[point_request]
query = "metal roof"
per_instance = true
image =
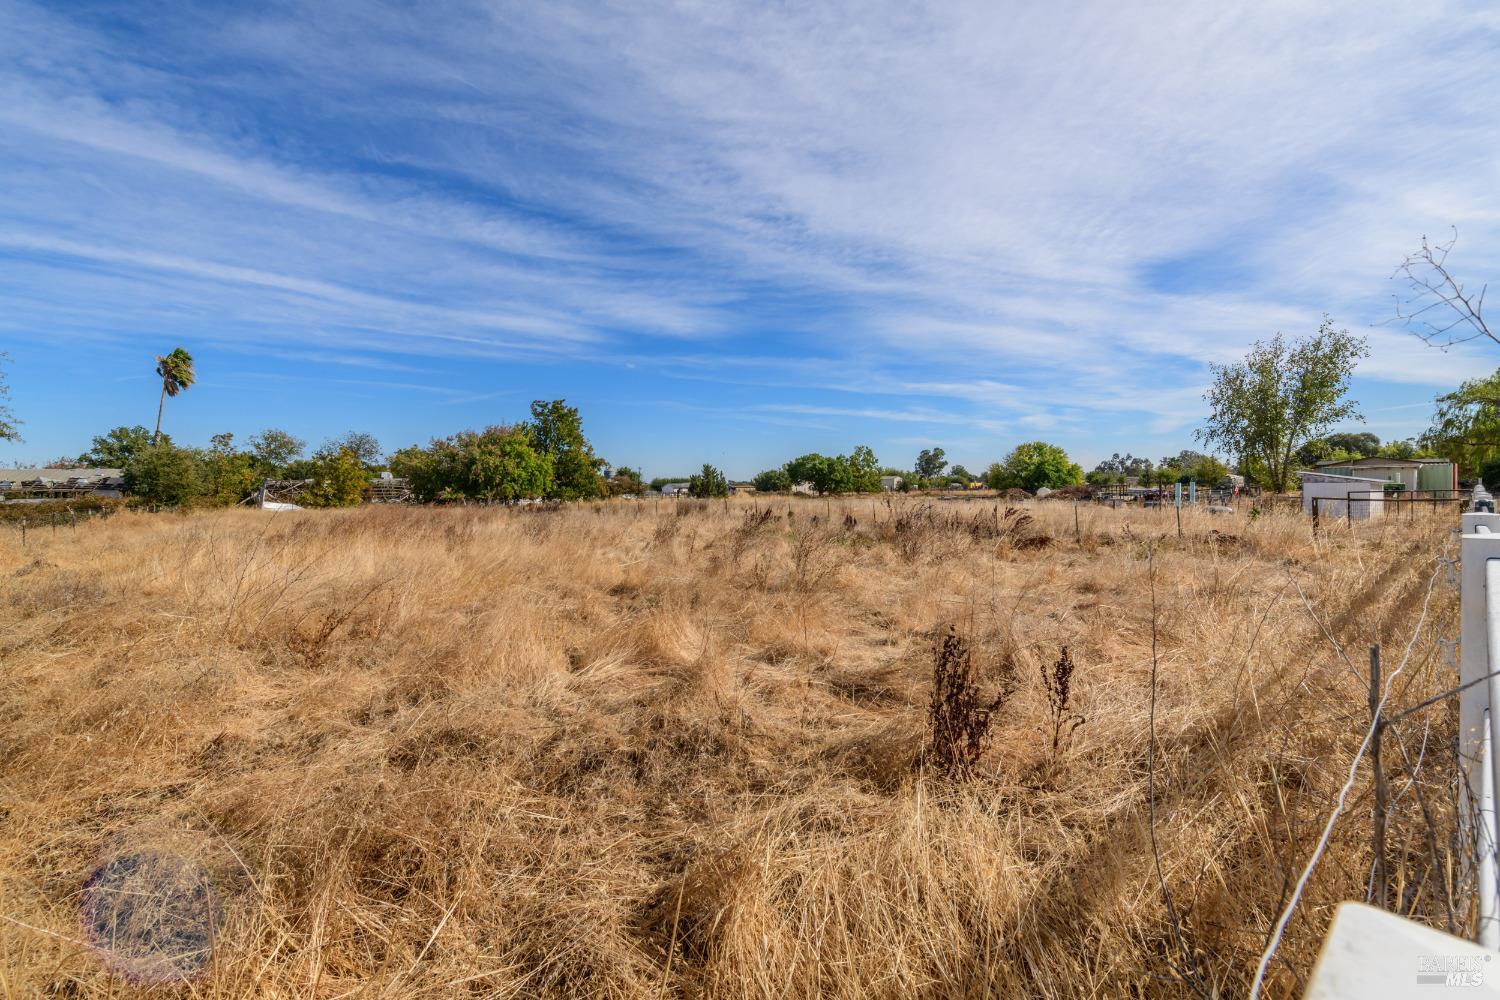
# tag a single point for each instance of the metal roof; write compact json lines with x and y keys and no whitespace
{"x":59,"y":475}
{"x":1335,"y":477}
{"x":1376,"y":462}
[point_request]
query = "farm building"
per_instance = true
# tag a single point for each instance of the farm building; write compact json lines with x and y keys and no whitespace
{"x":890,"y":483}
{"x":62,"y":482}
{"x":1333,"y":494}
{"x":1425,"y":474}
{"x":674,"y":489}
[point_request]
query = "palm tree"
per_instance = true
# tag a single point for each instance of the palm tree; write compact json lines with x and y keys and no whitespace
{"x":176,"y":371}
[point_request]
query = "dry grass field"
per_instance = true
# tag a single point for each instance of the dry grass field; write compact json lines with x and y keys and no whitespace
{"x":641,"y":751}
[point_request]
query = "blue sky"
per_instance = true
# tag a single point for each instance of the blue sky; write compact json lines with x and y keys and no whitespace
{"x":728,"y":232}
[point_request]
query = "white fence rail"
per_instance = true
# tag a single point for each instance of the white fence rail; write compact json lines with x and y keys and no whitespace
{"x":1479,"y":705}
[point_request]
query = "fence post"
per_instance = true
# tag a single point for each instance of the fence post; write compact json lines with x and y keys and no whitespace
{"x":1480,"y":546}
{"x":1377,"y":725}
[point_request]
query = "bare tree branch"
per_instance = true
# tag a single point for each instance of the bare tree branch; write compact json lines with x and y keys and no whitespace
{"x":1432,"y":286}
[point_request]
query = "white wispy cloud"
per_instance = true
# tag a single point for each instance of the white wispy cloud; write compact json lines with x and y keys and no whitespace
{"x":1044,"y":218}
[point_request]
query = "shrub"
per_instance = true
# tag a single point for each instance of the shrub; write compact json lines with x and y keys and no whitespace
{"x":165,"y":475}
{"x":339,"y":479}
{"x":709,"y":482}
{"x":499,"y":463}
{"x":773,"y":481}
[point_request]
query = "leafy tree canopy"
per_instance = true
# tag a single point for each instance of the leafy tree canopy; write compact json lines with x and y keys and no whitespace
{"x":165,"y":475}
{"x":1117,"y":468}
{"x":1466,"y":424}
{"x":175,"y":369}
{"x":857,"y":472}
{"x":1341,"y":446}
{"x":115,"y":449}
{"x":557,"y":430}
{"x":339,"y":478}
{"x":626,"y":481}
{"x":708,"y":482}
{"x":1490,"y":474}
{"x":1033,"y":465}
{"x":1189,"y":466}
{"x":930,"y":463}
{"x":276,"y":448}
{"x":1280,"y":397}
{"x":499,"y":463}
{"x":229,"y":475}
{"x":773,"y":481}
{"x":367,"y":450}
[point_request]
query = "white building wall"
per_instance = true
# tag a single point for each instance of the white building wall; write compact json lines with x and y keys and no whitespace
{"x":1337,"y":494}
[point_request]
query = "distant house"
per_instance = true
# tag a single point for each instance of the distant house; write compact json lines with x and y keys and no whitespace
{"x":1426,"y":474}
{"x":805,"y":488}
{"x":741,"y":487}
{"x":890,"y":483}
{"x":674,"y":489}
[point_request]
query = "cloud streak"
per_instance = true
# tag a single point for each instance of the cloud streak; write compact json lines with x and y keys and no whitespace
{"x":953,"y":214}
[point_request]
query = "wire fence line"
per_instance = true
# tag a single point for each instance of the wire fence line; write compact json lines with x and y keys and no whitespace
{"x":1279,"y":929}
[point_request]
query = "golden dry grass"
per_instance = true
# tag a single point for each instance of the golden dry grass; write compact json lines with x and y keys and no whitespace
{"x":639,"y":750}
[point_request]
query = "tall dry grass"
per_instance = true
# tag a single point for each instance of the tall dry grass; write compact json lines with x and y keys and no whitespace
{"x":642,"y":751}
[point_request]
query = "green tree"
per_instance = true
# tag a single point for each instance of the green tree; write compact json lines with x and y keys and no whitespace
{"x":115,"y":449}
{"x":1404,"y":448}
{"x":176,"y":373}
{"x":814,"y":469}
{"x":858,"y":472}
{"x":773,"y":481}
{"x":557,"y":430}
{"x":1362,"y":443}
{"x":708,"y":482}
{"x":864,"y":470}
{"x":499,"y":463}
{"x":229,"y":474}
{"x":931,"y":462}
{"x":1489,"y":474}
{"x":1033,"y":465}
{"x":1119,"y":468}
{"x":275,"y":448}
{"x":9,"y":425}
{"x":339,"y":479}
{"x":166,"y":475}
{"x":625,"y":481}
{"x":1191,"y":466}
{"x":1280,"y":397}
{"x":365,"y":447}
{"x":962,"y":475}
{"x":1345,"y":445}
{"x":1466,"y":424}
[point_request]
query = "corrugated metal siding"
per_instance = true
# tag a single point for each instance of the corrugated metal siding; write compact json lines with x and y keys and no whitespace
{"x":1435,"y":476}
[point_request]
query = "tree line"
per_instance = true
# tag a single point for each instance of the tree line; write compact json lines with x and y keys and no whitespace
{"x":545,"y":457}
{"x":1273,"y":413}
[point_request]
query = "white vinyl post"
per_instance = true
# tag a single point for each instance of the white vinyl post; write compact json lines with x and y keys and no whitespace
{"x":1480,"y":638}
